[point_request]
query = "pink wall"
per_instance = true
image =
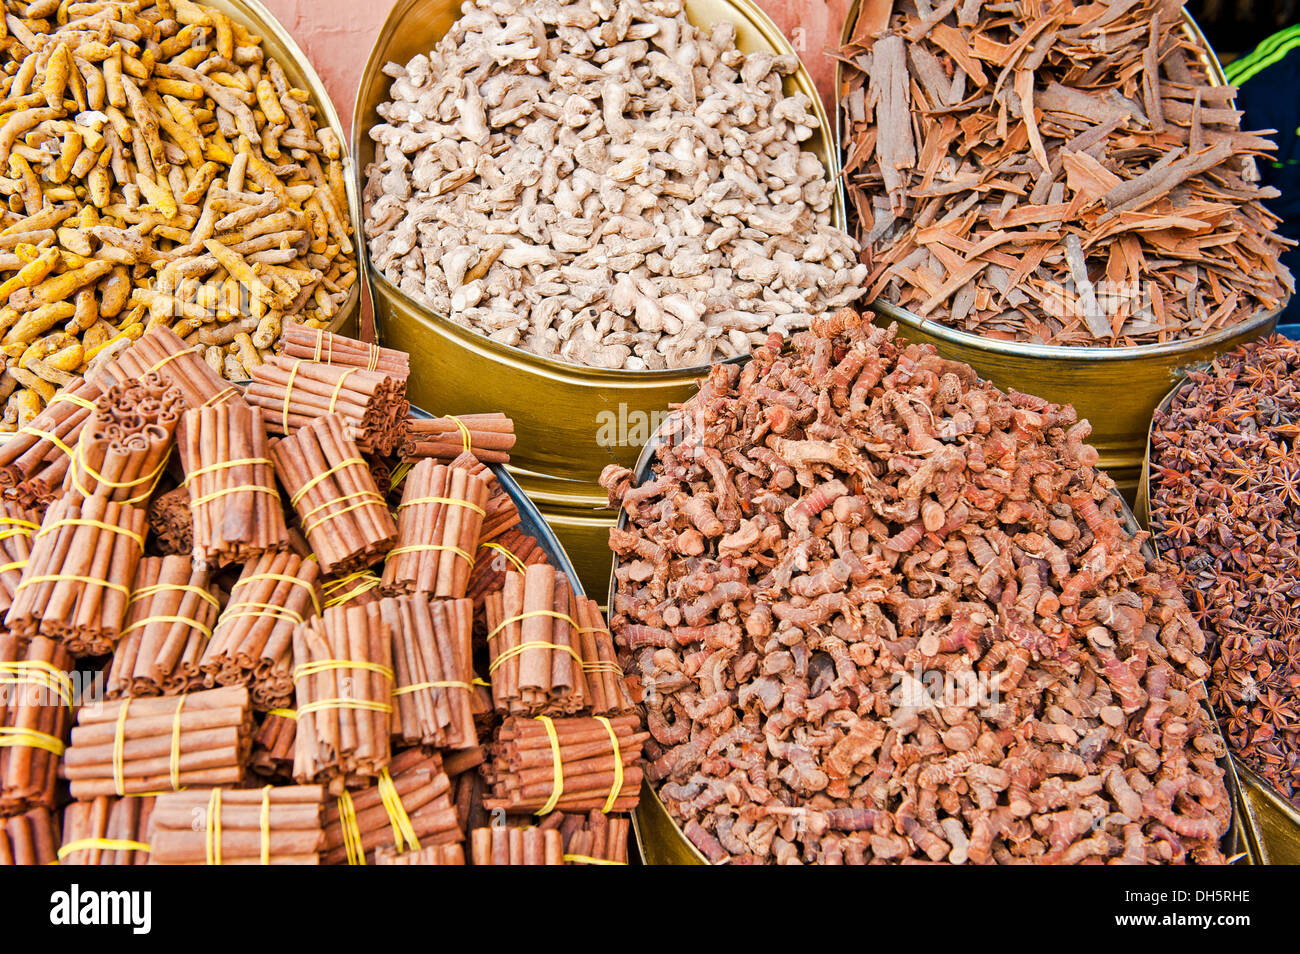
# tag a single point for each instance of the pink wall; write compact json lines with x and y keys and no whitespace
{"x":337,"y":36}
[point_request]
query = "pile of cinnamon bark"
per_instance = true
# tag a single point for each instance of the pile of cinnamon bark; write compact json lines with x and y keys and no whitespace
{"x":277,"y":611}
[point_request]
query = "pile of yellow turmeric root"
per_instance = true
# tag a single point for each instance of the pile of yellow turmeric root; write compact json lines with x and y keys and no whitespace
{"x":156,"y":167}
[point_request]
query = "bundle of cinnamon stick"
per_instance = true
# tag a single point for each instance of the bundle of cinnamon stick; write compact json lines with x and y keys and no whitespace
{"x":121,"y":453}
{"x":17,"y":527}
{"x":76,"y":584}
{"x":439,"y":523}
{"x":513,"y":549}
{"x":573,"y":765}
{"x":489,"y":437}
{"x":500,"y":845}
{"x":343,"y":516}
{"x":107,"y":831}
{"x":160,"y":351}
{"x":532,"y":641}
{"x":429,"y":855}
{"x":31,"y":838}
{"x":594,"y":838}
{"x":317,"y":344}
{"x":604,"y":688}
{"x":225,"y":826}
{"x":432,"y":659}
{"x":343,"y":682}
{"x":234,"y":502}
{"x":137,"y":746}
{"x":292,"y":393}
{"x":253,"y":642}
{"x":408,"y":807}
{"x":36,"y":698}
{"x":360,"y":587}
{"x":169,"y":622}
{"x":34,"y":461}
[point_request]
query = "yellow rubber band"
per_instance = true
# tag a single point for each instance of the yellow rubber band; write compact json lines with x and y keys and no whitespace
{"x":64,"y":578}
{"x":330,"y":665}
{"x":609,"y":667}
{"x":156,"y":588}
{"x":375,"y":355}
{"x":368,"y":582}
{"x":79,"y":466}
{"x":220,"y":396}
{"x":16,"y":565}
{"x":175,"y":760}
{"x":64,"y":397}
{"x":266,"y":824}
{"x":514,"y":651}
{"x":159,"y":365}
{"x":191,"y":623}
{"x":288,"y":394}
{"x":351,"y":833}
{"x":449,"y":501}
{"x":514,"y":619}
{"x":437,"y":684}
{"x":119,"y":740}
{"x":518,"y":563}
{"x":366,"y":704}
{"x":345,"y":462}
{"x":12,"y":737}
{"x":366,"y":497}
{"x":320,"y":341}
{"x":338,"y":388}
{"x":557,"y":766}
{"x":240,"y":610}
{"x":588,"y":860}
{"x":104,"y":844}
{"x":403,"y":831}
{"x":48,"y":436}
{"x":212,"y":841}
{"x":16,"y":522}
{"x":616,"y":789}
{"x":240,"y":489}
{"x":282,"y":578}
{"x":284,"y":713}
{"x":38,"y":673}
{"x":432,"y":547}
{"x":97,"y":524}
{"x":224,"y":465}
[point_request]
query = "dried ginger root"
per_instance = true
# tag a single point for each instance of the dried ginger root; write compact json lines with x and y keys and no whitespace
{"x":156,"y":167}
{"x":879,"y":610}
{"x":606,"y":184}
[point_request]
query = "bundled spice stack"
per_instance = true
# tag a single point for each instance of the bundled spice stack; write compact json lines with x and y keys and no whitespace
{"x":262,"y":633}
{"x":488,"y":437}
{"x":1063,"y":173}
{"x":34,"y":461}
{"x":517,"y":846}
{"x":1225,"y":510}
{"x":831,"y":521}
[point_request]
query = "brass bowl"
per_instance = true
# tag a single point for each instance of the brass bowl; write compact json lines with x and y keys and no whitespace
{"x":1116,"y":389}
{"x":661,"y":842}
{"x":1270,"y":823}
{"x":570,"y":420}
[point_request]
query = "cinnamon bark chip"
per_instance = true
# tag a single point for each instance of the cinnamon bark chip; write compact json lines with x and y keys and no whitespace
{"x":533,"y":645}
{"x":900,"y":615}
{"x":1062,"y":175}
{"x":107,"y":831}
{"x":439,"y":525}
{"x":36,"y":699}
{"x":434,"y":671}
{"x":139,"y":746}
{"x":345,"y":519}
{"x":408,"y":808}
{"x":168,"y":626}
{"x":253,"y":642}
{"x":228,"y":826}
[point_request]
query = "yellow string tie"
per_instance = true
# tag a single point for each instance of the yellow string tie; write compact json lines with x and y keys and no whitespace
{"x":79,"y":466}
{"x":449,"y":501}
{"x":465,"y":439}
{"x":240,"y":489}
{"x":65,"y":578}
{"x":12,"y":737}
{"x":329,"y":665}
{"x":266,"y":824}
{"x":366,"y":704}
{"x":368,"y":582}
{"x":518,"y":563}
{"x":345,"y":462}
{"x":399,"y":474}
{"x":97,"y":524}
{"x":432,"y":548}
{"x":320,"y":340}
{"x":514,"y":651}
{"x":219,"y":397}
{"x":175,"y":766}
{"x":191,"y":623}
{"x":240,"y":610}
{"x":38,"y":673}
{"x":65,"y":397}
{"x":119,"y":740}
{"x":284,"y":713}
{"x":156,"y":588}
{"x":212,"y":841}
{"x":16,"y":565}
{"x":351,"y":833}
{"x":589,"y":860}
{"x":375,"y":354}
{"x":557,"y":766}
{"x":436,"y":684}
{"x":403,"y":831}
{"x":46,"y":435}
{"x":282,"y":578}
{"x":610,"y":667}
{"x":522,"y":616}
{"x":617,"y":788}
{"x":104,"y":844}
{"x":366,"y":498}
{"x":288,"y":394}
{"x":338,"y":388}
{"x":224,"y":465}
{"x":159,"y":365}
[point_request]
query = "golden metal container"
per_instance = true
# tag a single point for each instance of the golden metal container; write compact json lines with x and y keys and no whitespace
{"x":570,"y":421}
{"x":1270,"y":824}
{"x":661,"y":841}
{"x":1116,"y":389}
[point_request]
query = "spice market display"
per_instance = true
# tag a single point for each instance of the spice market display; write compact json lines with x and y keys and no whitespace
{"x":863,"y":606}
{"x":1225,"y":508}
{"x":158,"y":168}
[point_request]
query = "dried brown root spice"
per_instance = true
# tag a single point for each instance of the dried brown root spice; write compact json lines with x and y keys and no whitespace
{"x":1225,"y":510}
{"x":1061,"y":173}
{"x":878,"y":610}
